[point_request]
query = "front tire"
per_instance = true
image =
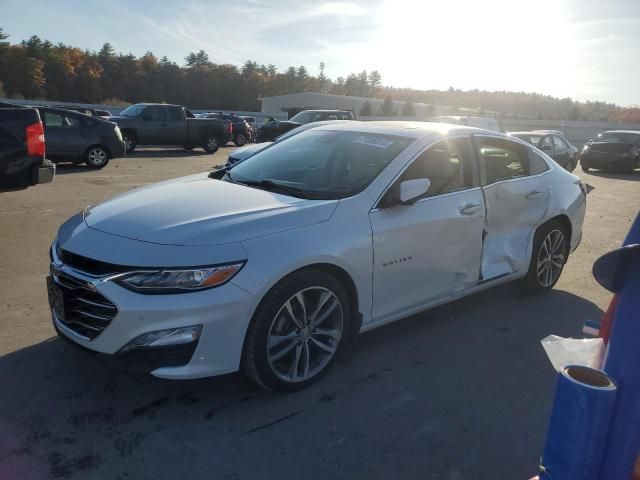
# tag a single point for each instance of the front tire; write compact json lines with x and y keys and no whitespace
{"x":211,"y":144}
{"x":129,"y":140}
{"x":548,"y":257}
{"x":297,"y":331}
{"x":96,"y":157}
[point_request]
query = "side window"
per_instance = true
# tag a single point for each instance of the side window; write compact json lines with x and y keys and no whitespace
{"x":53,"y":120}
{"x":71,"y":122}
{"x":536,"y":163}
{"x":559,"y":143}
{"x":175,"y":115}
{"x":447,"y":166}
{"x":503,"y":159}
{"x":154,"y":114}
{"x":546,"y":144}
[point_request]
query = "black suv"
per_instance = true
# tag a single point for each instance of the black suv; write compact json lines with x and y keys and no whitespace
{"x":615,"y":149}
{"x":271,"y":130}
{"x":553,"y":144}
{"x":242,"y":131}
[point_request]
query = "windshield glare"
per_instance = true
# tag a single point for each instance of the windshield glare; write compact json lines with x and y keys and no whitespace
{"x":618,"y":137}
{"x":323,"y":164}
{"x":306,"y":117}
{"x":132,"y":111}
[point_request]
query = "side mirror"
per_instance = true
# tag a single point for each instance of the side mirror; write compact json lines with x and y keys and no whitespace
{"x":411,"y":190}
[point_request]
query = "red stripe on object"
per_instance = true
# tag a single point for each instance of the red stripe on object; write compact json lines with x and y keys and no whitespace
{"x":607,"y":320}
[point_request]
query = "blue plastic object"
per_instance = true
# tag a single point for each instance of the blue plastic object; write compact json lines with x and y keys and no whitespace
{"x":578,"y":425}
{"x":622,"y":361}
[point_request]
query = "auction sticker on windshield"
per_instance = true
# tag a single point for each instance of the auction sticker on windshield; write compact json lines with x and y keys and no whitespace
{"x":373,"y":141}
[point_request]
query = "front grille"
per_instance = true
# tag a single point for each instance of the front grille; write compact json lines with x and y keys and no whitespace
{"x":86,"y":311}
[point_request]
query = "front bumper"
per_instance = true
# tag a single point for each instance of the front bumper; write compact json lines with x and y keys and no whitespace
{"x":603,"y":159}
{"x":224,"y":313}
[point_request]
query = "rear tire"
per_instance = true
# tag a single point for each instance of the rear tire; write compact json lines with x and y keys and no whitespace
{"x":211,"y":144}
{"x":240,"y":140}
{"x":96,"y":157}
{"x":548,"y":257}
{"x":297,"y":331}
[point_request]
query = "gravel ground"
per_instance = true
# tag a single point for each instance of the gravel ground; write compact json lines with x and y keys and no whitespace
{"x":462,"y":392}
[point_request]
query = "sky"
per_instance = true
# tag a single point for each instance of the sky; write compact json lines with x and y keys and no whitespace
{"x":583,"y":49}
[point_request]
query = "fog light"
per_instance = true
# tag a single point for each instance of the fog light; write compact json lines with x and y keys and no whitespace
{"x":165,"y":338}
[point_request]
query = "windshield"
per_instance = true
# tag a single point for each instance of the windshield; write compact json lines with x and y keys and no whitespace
{"x":323,"y":164}
{"x":618,"y":137}
{"x":132,"y":111}
{"x":306,"y":117}
{"x":532,"y":139}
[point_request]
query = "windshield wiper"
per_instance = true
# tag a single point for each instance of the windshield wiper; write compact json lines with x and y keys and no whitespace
{"x":271,"y":185}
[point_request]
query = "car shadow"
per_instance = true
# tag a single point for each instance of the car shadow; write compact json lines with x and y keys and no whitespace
{"x":471,"y":373}
{"x":66,"y":168}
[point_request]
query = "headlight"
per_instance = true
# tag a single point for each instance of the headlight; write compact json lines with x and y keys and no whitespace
{"x":179,"y":281}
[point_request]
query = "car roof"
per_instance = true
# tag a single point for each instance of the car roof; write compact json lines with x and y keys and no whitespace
{"x":634,"y":132}
{"x":326,"y":111}
{"x":407,"y":129}
{"x":537,"y":132}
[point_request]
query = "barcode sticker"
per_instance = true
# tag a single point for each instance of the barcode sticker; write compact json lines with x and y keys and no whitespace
{"x":373,"y":141}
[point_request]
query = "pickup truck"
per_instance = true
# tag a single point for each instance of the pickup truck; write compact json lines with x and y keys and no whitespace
{"x":22,"y":150}
{"x":163,"y":124}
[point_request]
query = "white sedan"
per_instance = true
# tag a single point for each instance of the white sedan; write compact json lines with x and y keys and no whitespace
{"x":340,"y":229}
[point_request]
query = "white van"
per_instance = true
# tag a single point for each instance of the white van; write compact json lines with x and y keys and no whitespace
{"x":488,"y":123}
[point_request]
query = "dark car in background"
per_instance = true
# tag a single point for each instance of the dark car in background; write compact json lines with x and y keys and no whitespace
{"x":612,"y":150}
{"x":22,"y":149}
{"x":165,"y":124}
{"x":79,"y":138}
{"x":554,"y":144}
{"x":242,"y":131}
{"x":270,"y":130}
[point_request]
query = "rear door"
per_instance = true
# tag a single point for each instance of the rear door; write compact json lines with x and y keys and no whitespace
{"x":153,"y":125}
{"x":431,"y":249}
{"x":517,"y":198}
{"x":176,"y":130}
{"x":65,"y":134}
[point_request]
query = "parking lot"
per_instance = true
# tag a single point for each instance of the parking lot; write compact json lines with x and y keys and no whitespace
{"x":462,"y":392}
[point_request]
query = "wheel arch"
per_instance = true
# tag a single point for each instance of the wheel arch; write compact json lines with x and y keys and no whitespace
{"x":564,"y":220}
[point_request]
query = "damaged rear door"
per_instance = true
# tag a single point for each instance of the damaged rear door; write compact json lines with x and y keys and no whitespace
{"x":517,"y":198}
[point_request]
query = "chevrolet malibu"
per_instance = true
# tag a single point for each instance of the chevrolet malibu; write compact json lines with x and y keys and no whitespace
{"x":270,"y":267}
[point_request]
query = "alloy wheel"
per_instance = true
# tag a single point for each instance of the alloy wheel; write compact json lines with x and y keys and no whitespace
{"x":305,"y":334}
{"x":551,"y":258}
{"x":97,"y":157}
{"x":212,"y":143}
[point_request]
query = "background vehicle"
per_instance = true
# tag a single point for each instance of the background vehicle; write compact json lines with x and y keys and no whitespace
{"x":241,"y":154}
{"x":335,"y":230}
{"x":488,"y":123}
{"x":242,"y":131}
{"x":78,"y":138}
{"x":612,"y":150}
{"x":553,"y":144}
{"x":270,"y":130}
{"x":163,"y":124}
{"x":22,"y":150}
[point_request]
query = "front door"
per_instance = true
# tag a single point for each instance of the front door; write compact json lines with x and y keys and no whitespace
{"x":516,"y":197}
{"x":430,"y":249}
{"x":153,"y":126}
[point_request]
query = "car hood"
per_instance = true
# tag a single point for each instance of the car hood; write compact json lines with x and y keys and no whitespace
{"x":198,"y":210}
{"x":610,"y":147}
{"x":245,"y":152}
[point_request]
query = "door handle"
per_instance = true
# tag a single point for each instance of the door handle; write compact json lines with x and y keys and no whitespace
{"x":469,"y":209}
{"x":534,"y":194}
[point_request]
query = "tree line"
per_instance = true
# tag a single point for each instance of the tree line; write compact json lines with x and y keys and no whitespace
{"x":39,"y":69}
